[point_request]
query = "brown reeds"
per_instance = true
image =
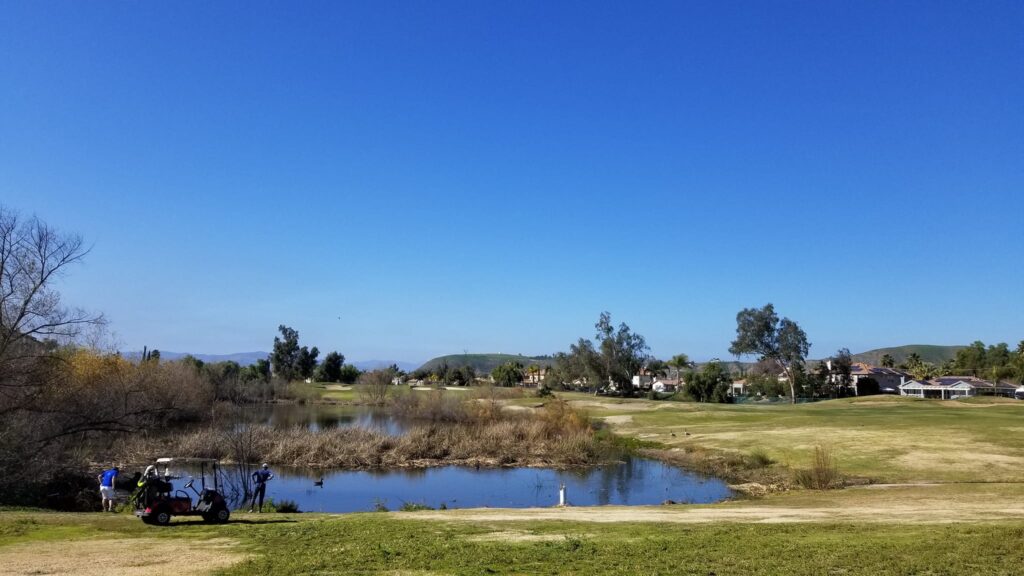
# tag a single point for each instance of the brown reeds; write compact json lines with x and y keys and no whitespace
{"x":474,"y":432}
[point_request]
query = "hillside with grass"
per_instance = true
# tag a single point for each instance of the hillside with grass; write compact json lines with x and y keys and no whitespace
{"x":485,"y":363}
{"x":927,"y":352}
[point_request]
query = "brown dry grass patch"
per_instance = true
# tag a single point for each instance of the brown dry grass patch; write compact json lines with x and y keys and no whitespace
{"x":117,"y":557}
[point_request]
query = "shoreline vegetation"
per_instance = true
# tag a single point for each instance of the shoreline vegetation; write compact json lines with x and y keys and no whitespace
{"x":441,"y":430}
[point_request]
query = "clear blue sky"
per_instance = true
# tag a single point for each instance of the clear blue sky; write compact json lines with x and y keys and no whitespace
{"x":401,"y":180}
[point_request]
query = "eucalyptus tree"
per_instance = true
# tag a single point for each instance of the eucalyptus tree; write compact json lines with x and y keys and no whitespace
{"x":760,"y":332}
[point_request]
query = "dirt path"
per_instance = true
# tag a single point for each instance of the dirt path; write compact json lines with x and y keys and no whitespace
{"x":913,"y":503}
{"x":751,"y":514}
{"x":117,"y":557}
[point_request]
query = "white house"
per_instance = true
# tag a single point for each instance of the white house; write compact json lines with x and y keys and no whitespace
{"x":642,"y":381}
{"x":953,"y":387}
{"x":662,"y":385}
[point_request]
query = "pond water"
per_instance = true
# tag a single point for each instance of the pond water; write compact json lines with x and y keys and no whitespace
{"x":321,"y":416}
{"x":635,"y":481}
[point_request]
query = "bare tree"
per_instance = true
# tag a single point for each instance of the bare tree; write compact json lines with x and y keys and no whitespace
{"x":33,"y":323}
{"x":375,"y":386}
{"x":32,"y":257}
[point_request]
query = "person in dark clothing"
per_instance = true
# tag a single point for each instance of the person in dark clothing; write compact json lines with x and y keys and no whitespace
{"x":260,"y":479}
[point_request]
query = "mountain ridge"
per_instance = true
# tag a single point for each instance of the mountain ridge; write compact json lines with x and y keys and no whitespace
{"x":249,"y":358}
{"x":485,"y":363}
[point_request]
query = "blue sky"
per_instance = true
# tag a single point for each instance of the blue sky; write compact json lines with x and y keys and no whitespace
{"x":402,"y":180}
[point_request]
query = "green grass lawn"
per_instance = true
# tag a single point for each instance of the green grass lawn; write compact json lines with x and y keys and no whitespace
{"x":969,"y":525}
{"x":392,"y":544}
{"x":326,"y":391}
{"x":888,"y":439}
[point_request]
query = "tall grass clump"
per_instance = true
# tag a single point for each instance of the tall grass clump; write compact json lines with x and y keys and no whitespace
{"x":442,"y":430}
{"x":823,"y":473}
{"x":759,"y":459}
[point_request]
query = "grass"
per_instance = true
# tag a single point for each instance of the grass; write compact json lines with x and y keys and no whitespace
{"x":882,"y":438}
{"x":400,"y":543}
{"x":823,"y":472}
{"x":970,"y":523}
{"x":325,"y":392}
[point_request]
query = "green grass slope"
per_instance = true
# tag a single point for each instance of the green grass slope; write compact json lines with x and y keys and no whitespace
{"x":927,"y":352}
{"x":484,"y":363}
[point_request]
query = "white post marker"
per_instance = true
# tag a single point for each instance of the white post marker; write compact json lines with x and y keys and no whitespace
{"x":561,"y":494}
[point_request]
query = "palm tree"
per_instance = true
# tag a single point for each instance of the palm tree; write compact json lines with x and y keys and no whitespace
{"x":680,"y":362}
{"x":534,"y":371}
{"x":888,"y":361}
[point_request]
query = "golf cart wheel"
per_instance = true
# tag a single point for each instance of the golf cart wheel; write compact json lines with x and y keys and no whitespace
{"x":161,"y":517}
{"x":218,"y":515}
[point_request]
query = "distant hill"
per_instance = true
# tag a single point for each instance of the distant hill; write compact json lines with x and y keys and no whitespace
{"x":365,"y":365}
{"x":732,"y":366}
{"x":248,"y":358}
{"x":485,"y":363}
{"x":243,"y":358}
{"x":927,"y":352}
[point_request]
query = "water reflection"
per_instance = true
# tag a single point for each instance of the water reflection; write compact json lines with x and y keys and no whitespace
{"x":320,"y":417}
{"x":636,"y":481}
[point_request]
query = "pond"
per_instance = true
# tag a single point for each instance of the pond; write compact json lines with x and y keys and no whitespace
{"x":635,"y":481}
{"x":320,"y":417}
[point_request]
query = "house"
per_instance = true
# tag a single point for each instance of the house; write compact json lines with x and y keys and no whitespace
{"x":889,"y":379}
{"x":662,"y":385}
{"x":953,"y":387}
{"x":738,"y":387}
{"x":642,"y":381}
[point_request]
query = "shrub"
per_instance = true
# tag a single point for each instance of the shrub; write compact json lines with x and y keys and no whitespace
{"x":759,"y":459}
{"x":823,"y":473}
{"x":287,"y":507}
{"x":414,"y":506}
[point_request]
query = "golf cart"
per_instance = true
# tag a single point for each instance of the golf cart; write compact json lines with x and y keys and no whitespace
{"x":158,"y":501}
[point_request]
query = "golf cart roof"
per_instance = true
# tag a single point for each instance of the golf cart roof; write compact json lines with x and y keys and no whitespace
{"x":187,"y":460}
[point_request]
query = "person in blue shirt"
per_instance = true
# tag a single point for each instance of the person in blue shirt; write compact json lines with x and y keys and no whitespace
{"x":107,"y":491}
{"x":260,"y":479}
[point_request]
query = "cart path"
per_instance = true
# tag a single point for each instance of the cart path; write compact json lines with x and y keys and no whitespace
{"x":744,"y":514}
{"x":920,"y":503}
{"x":120,"y":557}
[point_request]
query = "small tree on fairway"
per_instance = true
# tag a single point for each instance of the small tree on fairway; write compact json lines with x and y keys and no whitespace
{"x":285,"y":353}
{"x":376,"y":385}
{"x":711,"y":384}
{"x":760,"y":331}
{"x":841,"y":368}
{"x":305,"y":364}
{"x":508,"y":374}
{"x":349,"y":374}
{"x":330,"y":369}
{"x":622,"y":352}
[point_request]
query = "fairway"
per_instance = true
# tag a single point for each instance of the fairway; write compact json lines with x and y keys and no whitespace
{"x":876,"y":438}
{"x":478,"y":542}
{"x":946,"y":499}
